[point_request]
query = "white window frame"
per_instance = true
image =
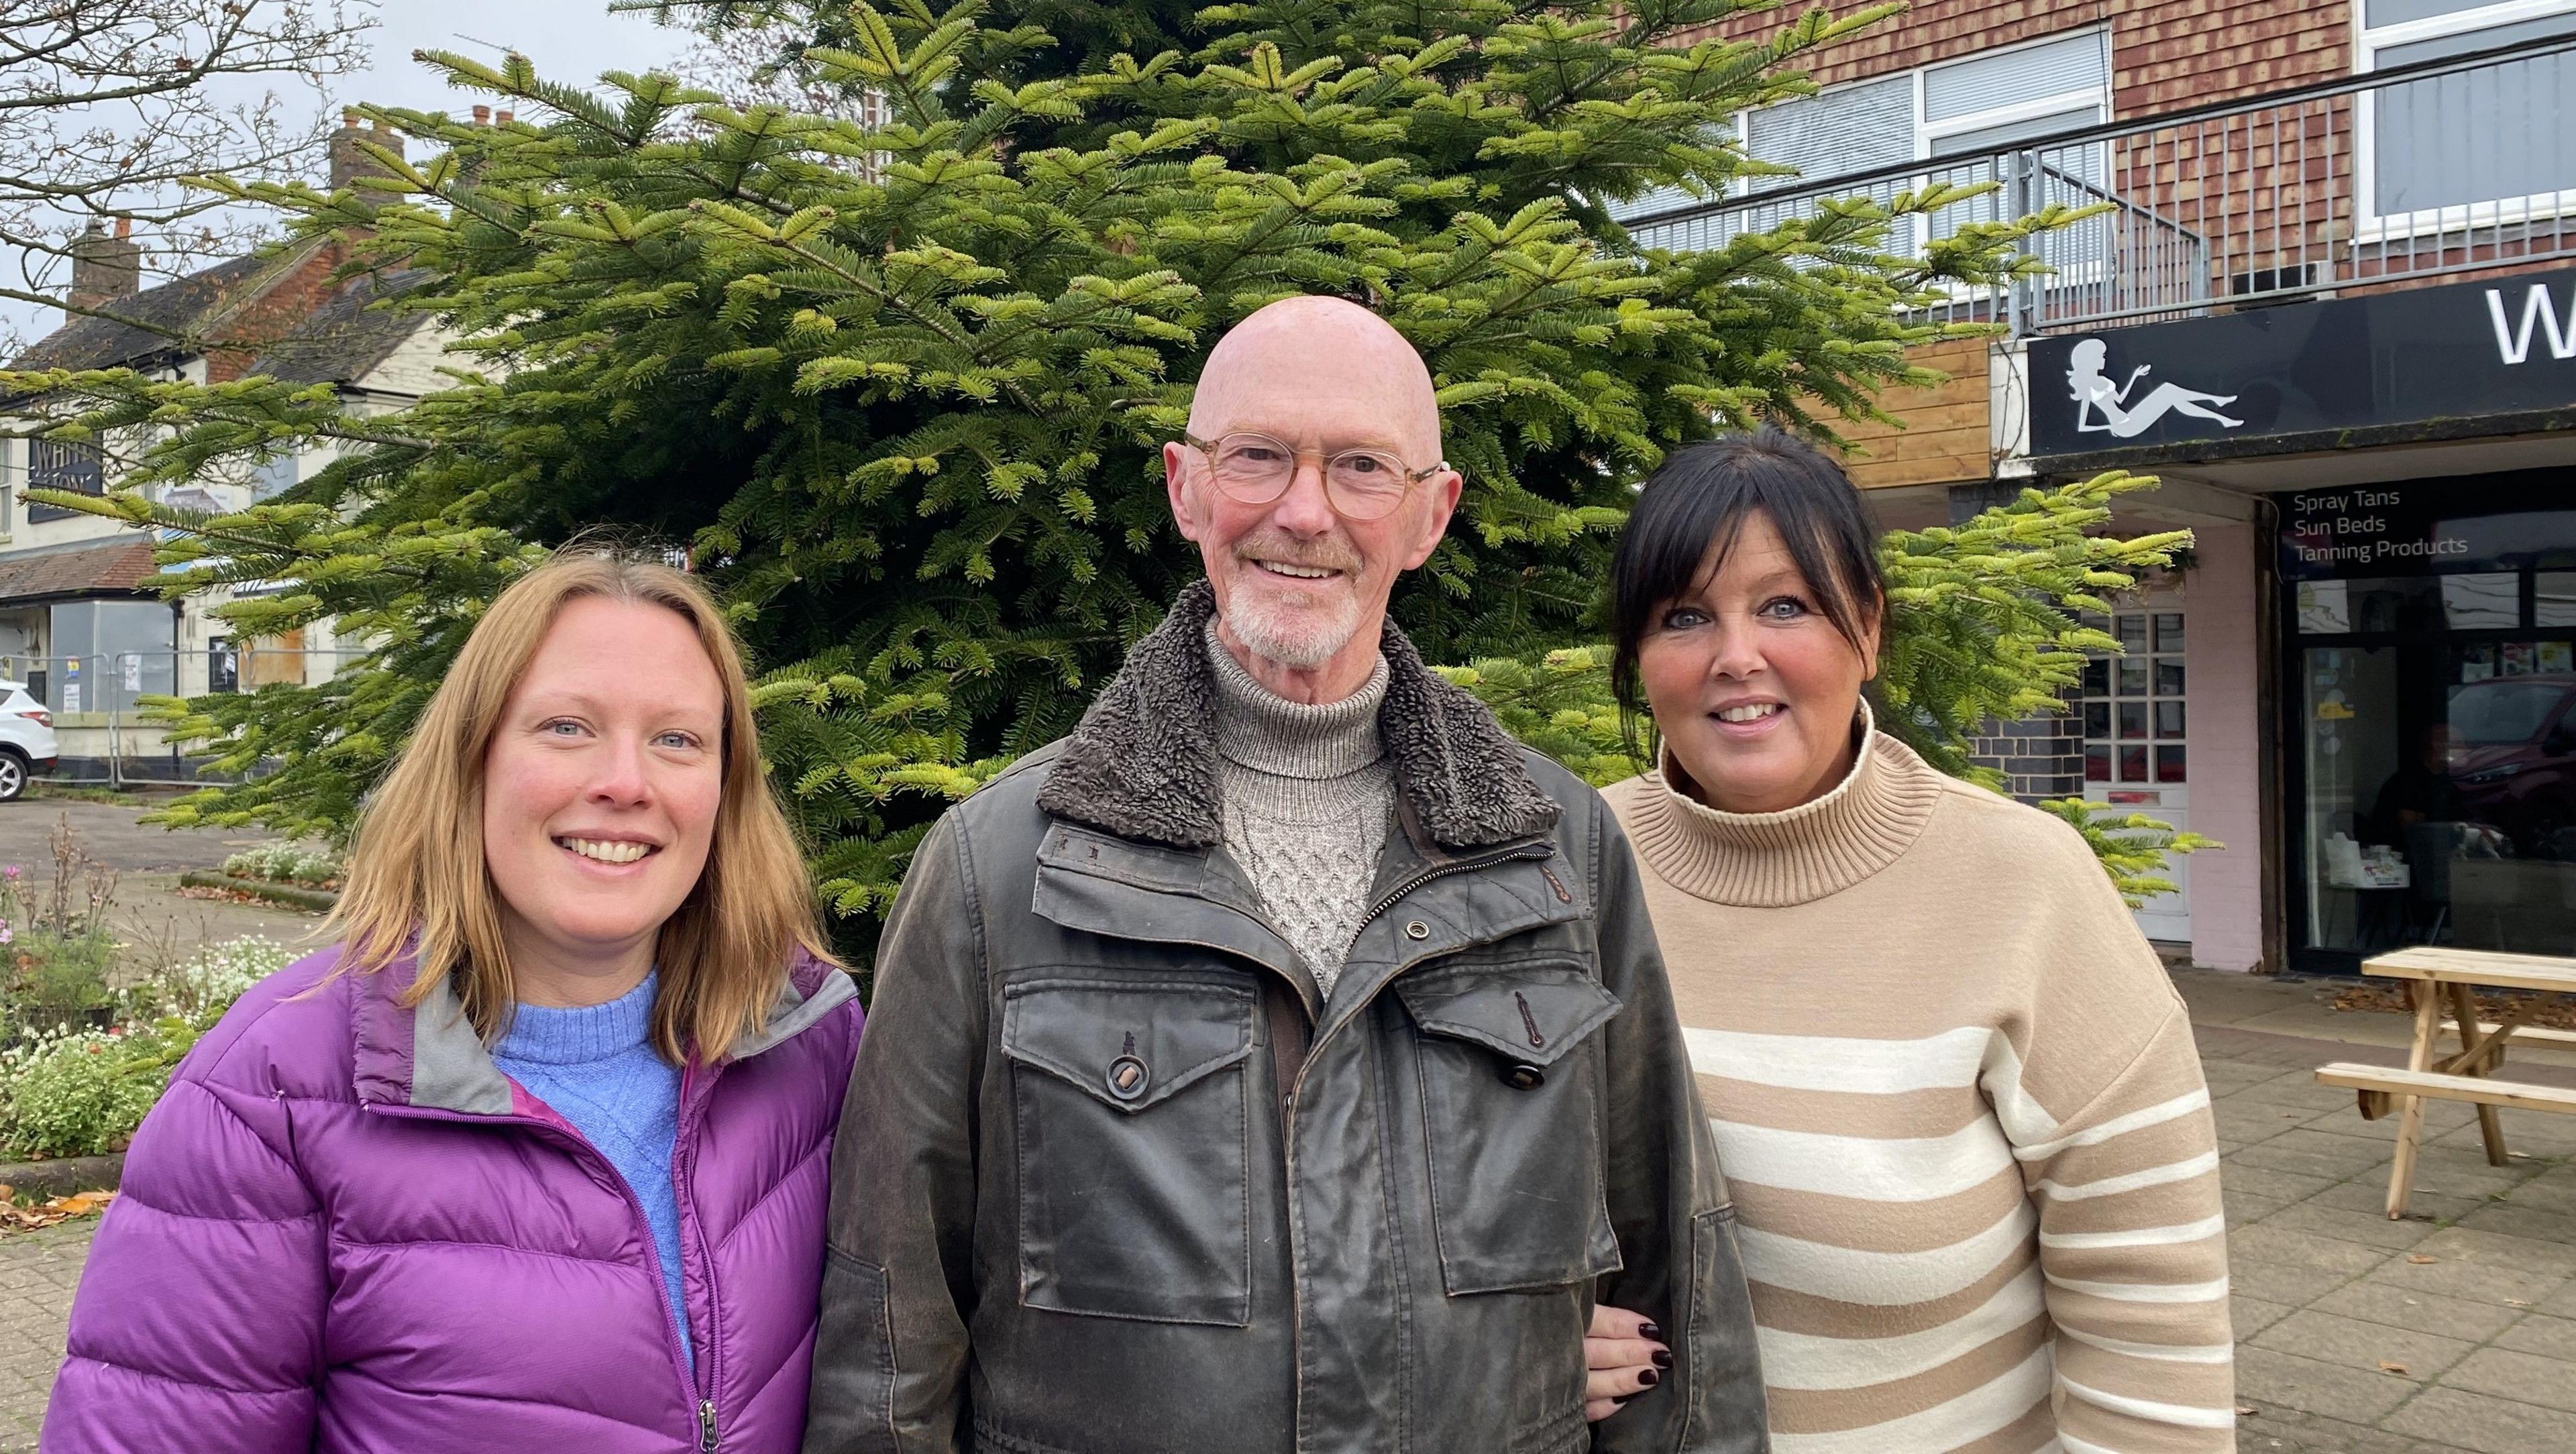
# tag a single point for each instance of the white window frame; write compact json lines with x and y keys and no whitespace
{"x":2369,"y":225}
{"x":1929,"y":133}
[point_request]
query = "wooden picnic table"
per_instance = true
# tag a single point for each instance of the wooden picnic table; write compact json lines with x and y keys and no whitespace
{"x":2438,"y":978}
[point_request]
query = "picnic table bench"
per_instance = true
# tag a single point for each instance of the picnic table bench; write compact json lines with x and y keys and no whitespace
{"x":2439,"y":978}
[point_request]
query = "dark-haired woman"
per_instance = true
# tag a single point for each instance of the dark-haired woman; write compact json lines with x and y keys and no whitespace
{"x":1956,"y":1096}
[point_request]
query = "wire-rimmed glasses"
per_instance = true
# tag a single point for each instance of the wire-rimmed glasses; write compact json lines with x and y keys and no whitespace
{"x":1362,"y":484}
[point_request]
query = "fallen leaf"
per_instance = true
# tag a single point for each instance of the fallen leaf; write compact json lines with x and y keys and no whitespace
{"x":2515,"y":1302}
{"x":2247,"y":1410}
{"x":2387,"y":1367}
{"x":2419,"y":1259}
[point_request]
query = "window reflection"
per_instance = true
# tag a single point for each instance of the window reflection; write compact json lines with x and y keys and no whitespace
{"x":2441,"y":794}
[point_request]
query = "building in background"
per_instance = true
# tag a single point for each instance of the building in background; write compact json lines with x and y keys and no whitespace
{"x":77,"y":623}
{"x":2330,"y":299}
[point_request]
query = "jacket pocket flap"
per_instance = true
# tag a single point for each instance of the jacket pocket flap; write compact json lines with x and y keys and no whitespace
{"x":1131,"y":1043}
{"x":1529,"y":1012}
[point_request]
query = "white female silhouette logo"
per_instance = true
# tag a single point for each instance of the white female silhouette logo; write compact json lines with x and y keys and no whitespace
{"x":2095,"y":395}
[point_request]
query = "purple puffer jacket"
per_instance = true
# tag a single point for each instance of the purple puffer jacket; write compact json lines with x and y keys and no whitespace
{"x":344,"y":1229}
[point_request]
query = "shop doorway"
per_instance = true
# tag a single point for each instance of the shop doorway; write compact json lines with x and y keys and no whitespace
{"x":2438,"y":749}
{"x":2137,"y":751}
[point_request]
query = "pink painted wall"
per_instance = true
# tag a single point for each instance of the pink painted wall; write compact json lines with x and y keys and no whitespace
{"x":2223,"y":663}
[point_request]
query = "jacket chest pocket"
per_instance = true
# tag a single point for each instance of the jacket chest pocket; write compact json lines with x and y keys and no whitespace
{"x":1511,"y":1106}
{"x":1129,"y":1110}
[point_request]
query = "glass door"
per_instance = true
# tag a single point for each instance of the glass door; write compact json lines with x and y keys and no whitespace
{"x":2137,"y":750}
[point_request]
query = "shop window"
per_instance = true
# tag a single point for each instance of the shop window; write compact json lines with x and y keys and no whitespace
{"x":2480,"y":601}
{"x":2498,"y":139}
{"x":2133,"y":677}
{"x":2133,"y":764}
{"x":2133,"y":719}
{"x":2169,"y":719}
{"x":2097,"y":677}
{"x":2489,"y":600}
{"x":2169,"y":677}
{"x":2097,"y":763}
{"x":2169,"y":764}
{"x":2553,"y":598}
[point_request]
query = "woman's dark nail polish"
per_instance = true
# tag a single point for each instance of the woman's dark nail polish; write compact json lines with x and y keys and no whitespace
{"x":1649,"y":1377}
{"x":1663,"y":1358}
{"x":1650,"y":1330}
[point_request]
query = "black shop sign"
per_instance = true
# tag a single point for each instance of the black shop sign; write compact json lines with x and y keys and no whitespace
{"x":2423,"y":363}
{"x":2522,"y":520}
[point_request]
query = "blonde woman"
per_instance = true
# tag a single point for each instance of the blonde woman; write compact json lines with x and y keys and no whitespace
{"x":1955,"y":1094}
{"x":534,"y":1158}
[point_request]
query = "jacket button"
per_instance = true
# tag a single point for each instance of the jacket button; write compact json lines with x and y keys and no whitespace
{"x":1416,"y":929}
{"x":1522,"y":1076}
{"x":1128,"y":1077}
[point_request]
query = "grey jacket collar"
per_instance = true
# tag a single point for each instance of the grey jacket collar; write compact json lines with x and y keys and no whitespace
{"x":428,"y":1057}
{"x":1143,"y":764}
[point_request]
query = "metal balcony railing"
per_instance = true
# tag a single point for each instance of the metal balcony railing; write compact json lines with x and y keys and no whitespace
{"x":2458,"y":165}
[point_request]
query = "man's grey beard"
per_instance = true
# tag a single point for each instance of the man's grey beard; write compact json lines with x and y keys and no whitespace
{"x":1294,"y":638}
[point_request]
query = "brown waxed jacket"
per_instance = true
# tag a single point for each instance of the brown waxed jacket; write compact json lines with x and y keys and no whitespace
{"x":1114,"y":1178}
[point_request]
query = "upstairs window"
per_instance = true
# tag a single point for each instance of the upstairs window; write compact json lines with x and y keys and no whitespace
{"x":2485,"y":145}
{"x":1958,"y":113}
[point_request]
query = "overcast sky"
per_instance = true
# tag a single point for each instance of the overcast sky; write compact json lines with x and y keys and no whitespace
{"x":569,"y":40}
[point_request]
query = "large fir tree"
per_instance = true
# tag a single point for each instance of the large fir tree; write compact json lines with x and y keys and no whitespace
{"x":900,"y":390}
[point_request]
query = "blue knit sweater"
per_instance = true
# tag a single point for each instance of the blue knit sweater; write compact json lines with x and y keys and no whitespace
{"x":596,"y":1066}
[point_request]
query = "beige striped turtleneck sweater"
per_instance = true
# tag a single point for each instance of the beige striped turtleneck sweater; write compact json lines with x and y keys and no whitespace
{"x":1958,"y":1105}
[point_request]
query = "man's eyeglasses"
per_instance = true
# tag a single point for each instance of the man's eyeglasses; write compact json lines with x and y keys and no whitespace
{"x":1362,"y":484}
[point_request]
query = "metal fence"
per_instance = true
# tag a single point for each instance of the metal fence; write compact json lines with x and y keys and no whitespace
{"x":96,"y":702}
{"x":2453,"y":165}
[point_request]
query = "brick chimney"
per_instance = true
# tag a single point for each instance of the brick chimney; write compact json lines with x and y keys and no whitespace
{"x":347,"y":162}
{"x":105,"y":268}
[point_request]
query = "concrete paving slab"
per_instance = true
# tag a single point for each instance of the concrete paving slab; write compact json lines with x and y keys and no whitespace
{"x":2462,"y":1419}
{"x":2370,"y":1346}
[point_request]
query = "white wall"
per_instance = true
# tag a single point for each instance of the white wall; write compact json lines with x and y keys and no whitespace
{"x":2224,"y":664}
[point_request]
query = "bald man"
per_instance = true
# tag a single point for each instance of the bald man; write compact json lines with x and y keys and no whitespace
{"x":1281,"y":1062}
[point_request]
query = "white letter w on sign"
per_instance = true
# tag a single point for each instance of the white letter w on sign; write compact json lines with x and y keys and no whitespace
{"x":2514,"y":344}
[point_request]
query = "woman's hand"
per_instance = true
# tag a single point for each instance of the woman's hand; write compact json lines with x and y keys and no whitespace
{"x":1626,"y":1357}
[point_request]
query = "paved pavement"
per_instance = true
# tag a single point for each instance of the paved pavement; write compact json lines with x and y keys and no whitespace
{"x":2453,"y":1330}
{"x":111,"y":836}
{"x":38,"y":1271}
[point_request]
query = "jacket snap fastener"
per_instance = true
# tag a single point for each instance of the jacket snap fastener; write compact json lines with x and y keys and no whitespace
{"x":1128,"y":1077}
{"x":1520,"y":1076}
{"x":1416,"y":929}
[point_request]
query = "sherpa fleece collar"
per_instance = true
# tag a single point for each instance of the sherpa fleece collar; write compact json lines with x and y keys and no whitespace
{"x":1143,"y":763}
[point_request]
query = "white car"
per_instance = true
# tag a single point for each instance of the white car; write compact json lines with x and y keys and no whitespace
{"x":26,"y":739}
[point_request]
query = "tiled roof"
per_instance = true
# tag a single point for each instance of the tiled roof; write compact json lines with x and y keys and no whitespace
{"x":344,"y":339}
{"x":181,"y":306}
{"x":115,"y":568}
{"x":337,"y":342}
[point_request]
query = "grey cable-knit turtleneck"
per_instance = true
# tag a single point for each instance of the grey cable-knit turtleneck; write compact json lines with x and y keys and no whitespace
{"x":1308,"y":794}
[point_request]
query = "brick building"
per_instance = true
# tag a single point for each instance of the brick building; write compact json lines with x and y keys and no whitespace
{"x":78,"y":624}
{"x":2328,"y":296}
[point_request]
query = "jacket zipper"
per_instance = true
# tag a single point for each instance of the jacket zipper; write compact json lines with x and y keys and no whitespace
{"x":1393,"y":895}
{"x":1287,"y":1129}
{"x":583,"y":1150}
{"x":709,"y":1436}
{"x":1464,"y":865}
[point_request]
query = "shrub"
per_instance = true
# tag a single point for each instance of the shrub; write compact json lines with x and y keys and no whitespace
{"x":285,"y":863}
{"x":77,"y":1094}
{"x":51,"y":982}
{"x":81,"y":1092}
